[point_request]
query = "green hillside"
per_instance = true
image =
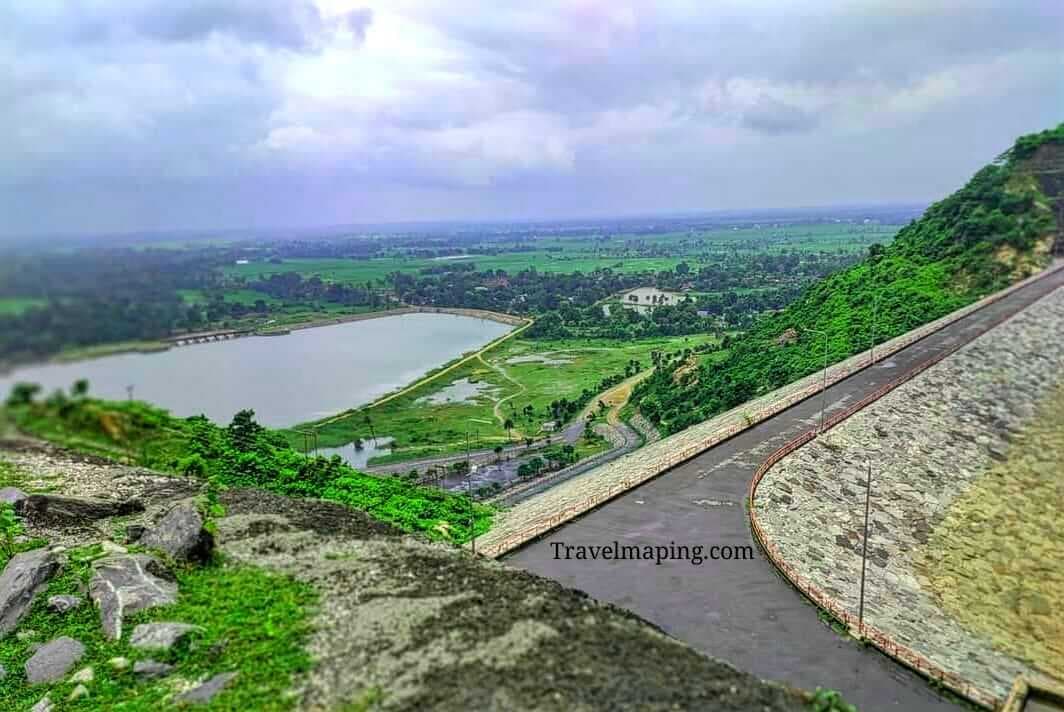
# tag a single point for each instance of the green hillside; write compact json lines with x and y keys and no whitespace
{"x":997,"y":229}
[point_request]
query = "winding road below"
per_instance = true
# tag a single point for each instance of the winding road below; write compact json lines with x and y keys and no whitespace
{"x":745,"y":612}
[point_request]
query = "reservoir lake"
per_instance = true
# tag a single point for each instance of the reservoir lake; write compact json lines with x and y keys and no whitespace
{"x":305,"y":375}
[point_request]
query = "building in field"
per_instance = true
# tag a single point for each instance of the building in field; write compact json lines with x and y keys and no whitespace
{"x":644,"y":299}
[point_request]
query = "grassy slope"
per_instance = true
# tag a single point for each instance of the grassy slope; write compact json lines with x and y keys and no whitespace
{"x":995,"y":230}
{"x":140,"y":433}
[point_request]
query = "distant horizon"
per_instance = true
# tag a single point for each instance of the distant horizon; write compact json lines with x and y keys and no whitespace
{"x":746,"y":214}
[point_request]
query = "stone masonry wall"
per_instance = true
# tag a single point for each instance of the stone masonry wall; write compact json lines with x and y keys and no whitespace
{"x":928,"y":441}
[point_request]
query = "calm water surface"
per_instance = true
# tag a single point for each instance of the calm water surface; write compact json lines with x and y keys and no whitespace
{"x":285,"y":379}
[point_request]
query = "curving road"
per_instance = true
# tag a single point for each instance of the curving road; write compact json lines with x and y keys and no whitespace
{"x":744,"y":611}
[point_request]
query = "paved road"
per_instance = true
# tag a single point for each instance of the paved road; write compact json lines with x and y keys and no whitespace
{"x":744,"y":611}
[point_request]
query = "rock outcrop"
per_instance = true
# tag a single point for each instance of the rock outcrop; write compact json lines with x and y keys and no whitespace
{"x":62,"y":604}
{"x":25,"y":575}
{"x":160,"y":636}
{"x":151,"y":668}
{"x":53,"y":660}
{"x":126,"y":583}
{"x":59,"y":510}
{"x":205,"y":692}
{"x":181,"y":534}
{"x":12,"y":495}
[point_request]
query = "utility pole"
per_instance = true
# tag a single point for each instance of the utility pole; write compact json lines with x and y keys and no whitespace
{"x":864,"y":548}
{"x":469,"y":495}
{"x":875,"y":317}
{"x":824,"y":382}
{"x":129,"y":392}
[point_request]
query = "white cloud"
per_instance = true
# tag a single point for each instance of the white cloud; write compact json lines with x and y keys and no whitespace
{"x":482,"y":99}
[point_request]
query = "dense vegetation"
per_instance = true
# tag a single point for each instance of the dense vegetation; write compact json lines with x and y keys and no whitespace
{"x":69,"y":300}
{"x":243,"y":454}
{"x":996,"y":229}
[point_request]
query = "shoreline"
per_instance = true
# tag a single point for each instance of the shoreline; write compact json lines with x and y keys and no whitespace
{"x":499,"y":317}
{"x":91,"y":353}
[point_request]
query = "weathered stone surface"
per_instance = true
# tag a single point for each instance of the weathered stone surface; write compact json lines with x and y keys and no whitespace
{"x":57,"y":509}
{"x":62,"y":604}
{"x":160,"y":636}
{"x":134,"y":533}
{"x":206,"y":692}
{"x":43,"y":705}
{"x":109,"y":547}
{"x":12,"y":495}
{"x":3,"y":672}
{"x":25,"y":576}
{"x":53,"y":660}
{"x":961,"y":537}
{"x":151,"y":668}
{"x":119,"y":663}
{"x":127,"y":583}
{"x":181,"y":534}
{"x":78,"y":692}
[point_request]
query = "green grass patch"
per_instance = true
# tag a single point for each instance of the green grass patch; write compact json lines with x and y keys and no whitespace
{"x":522,"y":373}
{"x":255,"y":623}
{"x":243,"y":454}
{"x":15,"y":306}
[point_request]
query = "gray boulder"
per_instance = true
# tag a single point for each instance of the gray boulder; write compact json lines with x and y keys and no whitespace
{"x":25,"y":576}
{"x":207,"y":691}
{"x":134,"y":532}
{"x":62,"y":604}
{"x":180,"y":534}
{"x":12,"y":495}
{"x":60,"y":510}
{"x":3,"y":672}
{"x":160,"y":636}
{"x":43,"y":705}
{"x":151,"y":668}
{"x":53,"y":660}
{"x":127,"y":583}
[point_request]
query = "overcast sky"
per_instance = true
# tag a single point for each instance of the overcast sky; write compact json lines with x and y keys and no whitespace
{"x":159,"y":114}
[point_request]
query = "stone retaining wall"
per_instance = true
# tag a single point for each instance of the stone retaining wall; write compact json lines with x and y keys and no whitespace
{"x":927,"y":441}
{"x":538,"y":515}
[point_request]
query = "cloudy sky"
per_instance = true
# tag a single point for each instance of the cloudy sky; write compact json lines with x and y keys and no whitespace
{"x":156,"y":114}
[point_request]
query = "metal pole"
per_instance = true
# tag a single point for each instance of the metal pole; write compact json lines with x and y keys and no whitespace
{"x":824,"y":385}
{"x":469,"y":494}
{"x":875,"y":316}
{"x":864,"y":548}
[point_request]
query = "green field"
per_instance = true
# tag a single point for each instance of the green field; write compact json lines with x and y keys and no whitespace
{"x":248,"y":297}
{"x":621,"y":253}
{"x":13,"y":306}
{"x":362,"y":271}
{"x":475,"y":398}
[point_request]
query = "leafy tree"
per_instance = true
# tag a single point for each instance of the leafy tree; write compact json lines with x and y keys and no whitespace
{"x":22,"y":394}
